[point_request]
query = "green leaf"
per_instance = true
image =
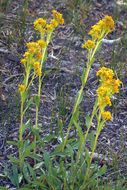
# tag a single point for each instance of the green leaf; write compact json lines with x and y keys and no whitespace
{"x":70,"y":149}
{"x":24,"y":127}
{"x":37,"y":100}
{"x":28,"y":104}
{"x":13,"y":143}
{"x":87,"y":156}
{"x":49,"y":138}
{"x":40,"y":184}
{"x":59,"y":147}
{"x":87,"y":120}
{"x":25,"y":188}
{"x":1,"y":175}
{"x":26,"y":173}
{"x":13,"y":160}
{"x":32,"y":173}
{"x":77,"y":96}
{"x":80,"y":133}
{"x":37,"y":157}
{"x":46,"y":73}
{"x":45,"y":56}
{"x":76,"y":115}
{"x":92,"y":140}
{"x":3,"y":188}
{"x":83,"y":76}
{"x":15,"y":175}
{"x":99,"y":173}
{"x":60,"y":124}
{"x":61,"y":154}
{"x":47,"y":160}
{"x":23,"y":97}
{"x":28,"y":149}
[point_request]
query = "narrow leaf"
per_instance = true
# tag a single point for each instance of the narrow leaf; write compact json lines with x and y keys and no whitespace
{"x":80,"y":133}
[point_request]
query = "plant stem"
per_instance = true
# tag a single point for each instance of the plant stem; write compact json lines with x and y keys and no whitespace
{"x":20,"y":136}
{"x":75,"y":107}
{"x":84,"y":139}
{"x":94,"y":147}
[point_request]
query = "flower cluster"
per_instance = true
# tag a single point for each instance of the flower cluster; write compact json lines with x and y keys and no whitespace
{"x":100,"y":30}
{"x":34,"y":55}
{"x":21,"y":88}
{"x":108,"y":86}
{"x":42,"y":26}
{"x":89,"y":45}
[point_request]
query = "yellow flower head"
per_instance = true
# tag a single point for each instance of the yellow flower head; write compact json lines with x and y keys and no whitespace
{"x":41,"y":43}
{"x":49,"y":28}
{"x":21,"y":88}
{"x":38,"y":55}
{"x":39,"y":25}
{"x":39,"y":73}
{"x":36,"y":65}
{"x":109,"y":23}
{"x":54,"y":23}
{"x":95,"y":32}
{"x":104,"y":101}
{"x":58,"y":17}
{"x":88,"y":45}
{"x":23,"y":61}
{"x":103,"y":27}
{"x":102,"y":90}
{"x":26,"y":54}
{"x":106,"y":115}
{"x":105,"y":73}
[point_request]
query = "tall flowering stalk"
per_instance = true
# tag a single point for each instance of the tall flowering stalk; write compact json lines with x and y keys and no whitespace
{"x":28,"y":62}
{"x":98,"y":32}
{"x":46,"y":31}
{"x":108,"y":87}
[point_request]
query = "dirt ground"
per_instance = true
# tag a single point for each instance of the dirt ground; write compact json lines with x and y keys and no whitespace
{"x":66,"y":58}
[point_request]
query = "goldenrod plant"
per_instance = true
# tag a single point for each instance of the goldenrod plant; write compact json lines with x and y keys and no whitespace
{"x":98,"y":32}
{"x":53,"y":171}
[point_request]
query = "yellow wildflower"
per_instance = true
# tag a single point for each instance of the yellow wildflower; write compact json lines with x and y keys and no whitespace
{"x":49,"y":28}
{"x":36,"y":65}
{"x":104,"y":101}
{"x":41,"y":43}
{"x":39,"y":73}
{"x":58,"y":17}
{"x":23,"y":61}
{"x":88,"y":45}
{"x":105,"y":73}
{"x":21,"y":88}
{"x":26,"y":54}
{"x":102,"y":90}
{"x":95,"y":32}
{"x":106,"y":115}
{"x":39,"y":25}
{"x":38,"y":55}
{"x":54,"y":23}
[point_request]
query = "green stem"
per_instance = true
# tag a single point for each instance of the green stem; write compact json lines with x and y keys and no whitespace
{"x":95,"y":143}
{"x":20,"y":136}
{"x":75,"y":107}
{"x":84,"y":139}
{"x":39,"y":87}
